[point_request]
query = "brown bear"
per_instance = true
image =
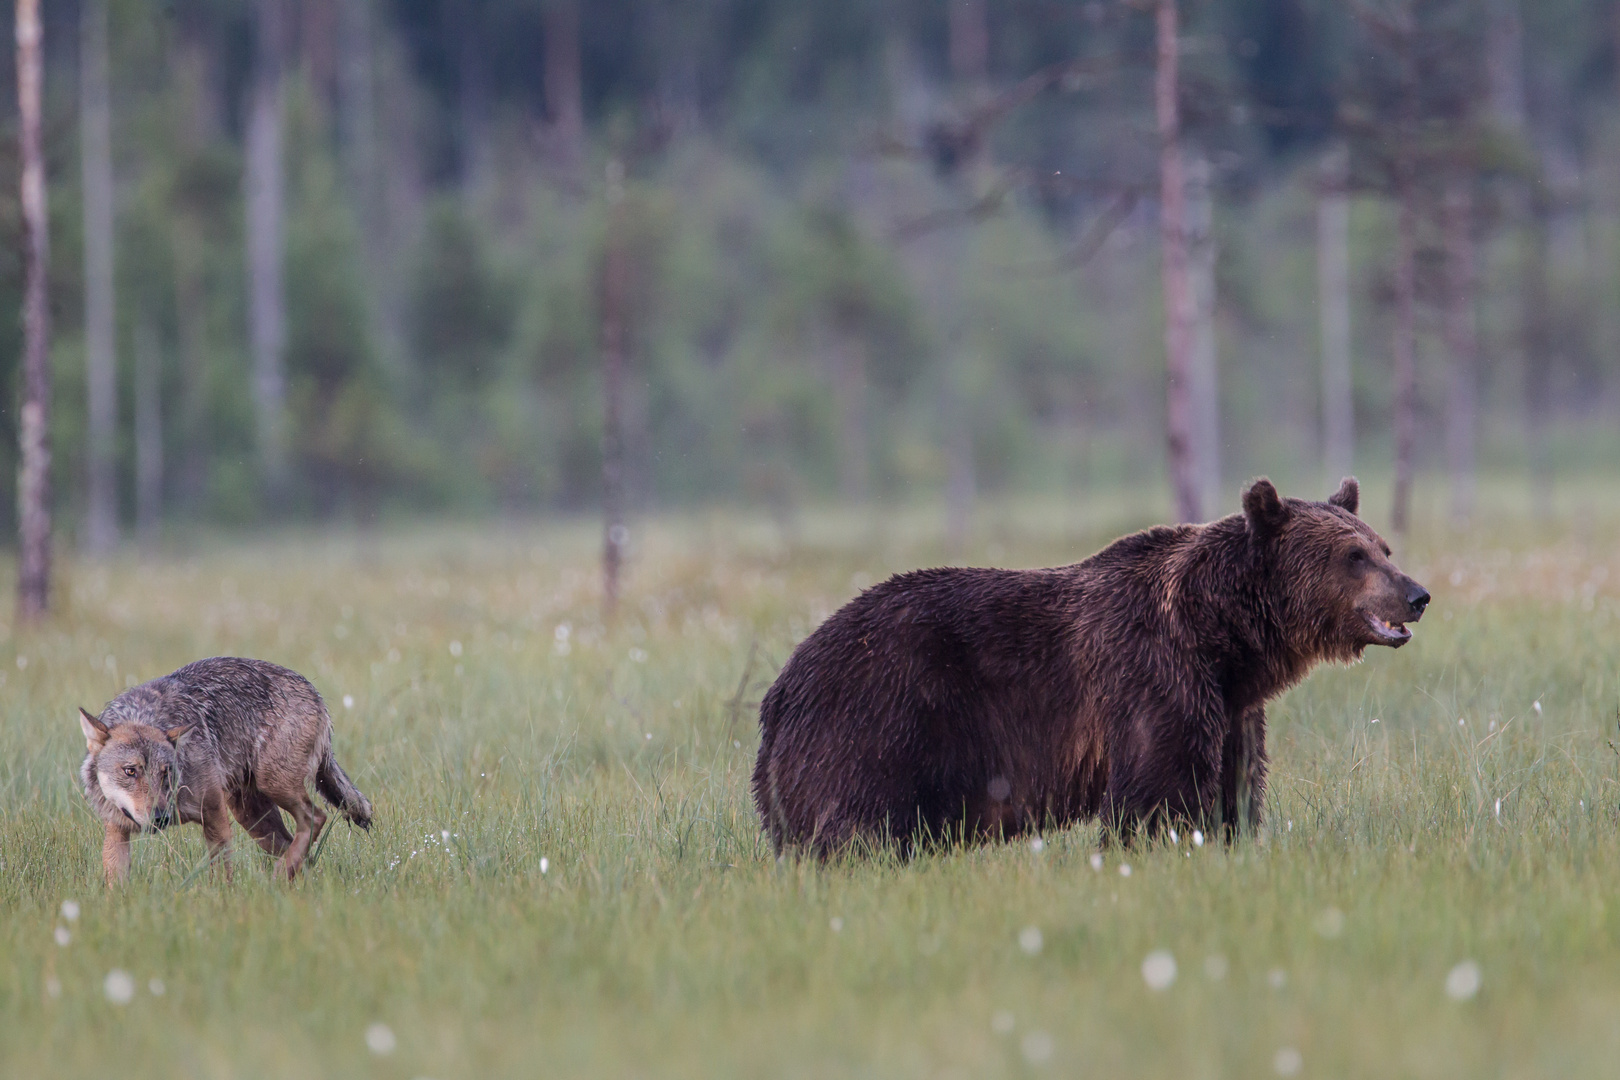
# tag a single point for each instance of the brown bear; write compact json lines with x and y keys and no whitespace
{"x":964,"y":704}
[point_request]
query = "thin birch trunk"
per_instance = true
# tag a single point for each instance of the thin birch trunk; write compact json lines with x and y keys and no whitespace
{"x":1461,"y":340}
{"x":1404,"y":346}
{"x":1538,"y":356}
{"x":564,"y":98}
{"x":148,"y":433}
{"x":969,"y":45}
{"x":34,"y":472}
{"x":1333,"y":292}
{"x":849,"y":388}
{"x":1203,"y":376}
{"x":1178,"y":298}
{"x":615,"y":314}
{"x":357,"y":109}
{"x":95,"y":148}
{"x":265,"y":199}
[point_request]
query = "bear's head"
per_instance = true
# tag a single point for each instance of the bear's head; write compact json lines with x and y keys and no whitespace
{"x":1340,"y":591}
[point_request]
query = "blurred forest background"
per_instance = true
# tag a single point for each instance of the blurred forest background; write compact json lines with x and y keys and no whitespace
{"x":385,"y":257}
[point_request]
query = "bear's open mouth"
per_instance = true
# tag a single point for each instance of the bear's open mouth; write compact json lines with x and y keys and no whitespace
{"x":1388,"y":633}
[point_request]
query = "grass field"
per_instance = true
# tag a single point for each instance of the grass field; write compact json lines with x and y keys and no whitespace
{"x":567,"y":878}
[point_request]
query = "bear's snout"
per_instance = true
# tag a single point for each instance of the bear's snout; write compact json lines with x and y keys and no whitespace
{"x":1417,"y":599}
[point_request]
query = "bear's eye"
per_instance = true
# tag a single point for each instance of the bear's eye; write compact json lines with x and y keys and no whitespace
{"x":1358,"y":556}
{"x":131,"y":771}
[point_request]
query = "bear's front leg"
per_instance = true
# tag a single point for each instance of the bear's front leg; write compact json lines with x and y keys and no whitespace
{"x":1243,"y":774}
{"x":1166,"y":772}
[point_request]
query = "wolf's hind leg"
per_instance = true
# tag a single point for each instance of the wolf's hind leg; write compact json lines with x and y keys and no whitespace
{"x":262,"y":820}
{"x":308,"y":820}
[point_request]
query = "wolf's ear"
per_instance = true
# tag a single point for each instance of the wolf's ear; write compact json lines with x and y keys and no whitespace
{"x":95,"y":732}
{"x":1263,"y":507}
{"x":1348,"y":497}
{"x":173,"y":734}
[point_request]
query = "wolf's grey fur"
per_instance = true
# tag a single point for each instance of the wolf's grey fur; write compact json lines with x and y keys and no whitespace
{"x":220,"y":734}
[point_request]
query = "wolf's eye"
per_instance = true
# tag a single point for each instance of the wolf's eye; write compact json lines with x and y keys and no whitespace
{"x":131,"y":771}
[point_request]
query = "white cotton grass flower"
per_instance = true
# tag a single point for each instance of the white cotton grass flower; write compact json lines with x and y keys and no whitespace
{"x":1215,"y":967}
{"x":53,"y":986}
{"x":836,"y":924}
{"x":1198,"y":838}
{"x":62,"y":936}
{"x":1174,"y":839}
{"x":119,"y":986}
{"x":380,"y":1039}
{"x":1287,"y":1062}
{"x":348,"y":701}
{"x":1037,"y":1047}
{"x":1277,"y":977}
{"x":545,"y":864}
{"x":1330,"y":923}
{"x":1463,"y":981}
{"x":1037,"y":845}
{"x":70,"y":910}
{"x":1031,"y":940}
{"x":455,"y":650}
{"x":1096,"y":860}
{"x":1002,"y":1022}
{"x":1159,"y":969}
{"x":1124,"y":869}
{"x":1536,"y":705}
{"x":155,"y":987}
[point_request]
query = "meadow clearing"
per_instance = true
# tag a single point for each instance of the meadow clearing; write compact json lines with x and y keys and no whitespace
{"x":567,"y":877}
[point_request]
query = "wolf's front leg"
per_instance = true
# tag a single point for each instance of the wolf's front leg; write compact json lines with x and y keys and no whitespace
{"x":115,"y":854}
{"x":216,"y":825}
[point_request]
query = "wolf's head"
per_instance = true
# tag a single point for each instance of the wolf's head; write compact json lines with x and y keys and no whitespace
{"x":135,"y":768}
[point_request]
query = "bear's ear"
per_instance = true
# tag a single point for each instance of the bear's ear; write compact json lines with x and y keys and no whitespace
{"x":1348,"y":497}
{"x":95,"y":732}
{"x":1263,"y":507}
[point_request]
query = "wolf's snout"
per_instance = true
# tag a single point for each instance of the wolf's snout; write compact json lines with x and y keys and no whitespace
{"x":162,"y":819}
{"x":1417,"y":598}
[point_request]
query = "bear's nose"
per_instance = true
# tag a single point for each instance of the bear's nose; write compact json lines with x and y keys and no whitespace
{"x":1417,"y":598}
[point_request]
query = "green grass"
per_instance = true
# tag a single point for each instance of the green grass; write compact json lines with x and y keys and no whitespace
{"x":663,"y":939}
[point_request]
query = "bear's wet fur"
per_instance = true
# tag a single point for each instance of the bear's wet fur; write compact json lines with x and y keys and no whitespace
{"x":966,"y":704}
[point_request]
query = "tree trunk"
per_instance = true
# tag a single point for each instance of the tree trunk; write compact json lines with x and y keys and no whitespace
{"x":969,"y":40}
{"x":1333,"y":293}
{"x":148,"y":432}
{"x":564,"y":99}
{"x":357,"y":109}
{"x":615,"y":314}
{"x":1178,"y":298}
{"x":265,"y":199}
{"x":969,"y":47}
{"x":1461,"y":340}
{"x":1538,"y":355}
{"x":849,"y":388}
{"x":95,"y":148}
{"x":1404,"y":346}
{"x":34,"y":473}
{"x":1203,"y":376}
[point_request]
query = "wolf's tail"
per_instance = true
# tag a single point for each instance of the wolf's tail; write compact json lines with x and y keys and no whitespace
{"x":336,"y":788}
